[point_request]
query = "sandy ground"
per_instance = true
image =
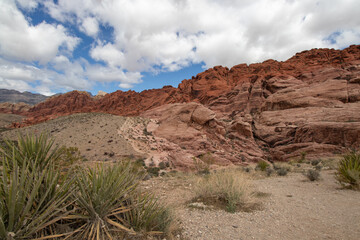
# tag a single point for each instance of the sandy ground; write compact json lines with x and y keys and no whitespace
{"x":294,"y":208}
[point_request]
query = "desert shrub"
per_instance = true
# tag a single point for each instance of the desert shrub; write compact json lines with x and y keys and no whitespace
{"x":140,"y":162}
{"x":262,"y":165}
{"x":269,"y":171}
{"x":153,"y":171}
{"x":348,"y":172}
{"x":302,"y":157}
{"x":315,"y":162}
{"x":312,"y":175}
{"x":282,"y":171}
{"x":32,"y":195}
{"x":203,"y":163}
{"x":149,"y":216}
{"x":232,"y":190}
{"x":162,"y":165}
{"x":318,"y":167}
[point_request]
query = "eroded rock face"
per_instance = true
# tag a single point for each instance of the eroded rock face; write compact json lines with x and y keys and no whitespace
{"x":14,"y":108}
{"x":192,"y":130}
{"x":271,"y":110}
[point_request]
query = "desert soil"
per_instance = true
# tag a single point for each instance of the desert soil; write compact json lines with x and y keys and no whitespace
{"x":292,"y":208}
{"x":96,"y":135}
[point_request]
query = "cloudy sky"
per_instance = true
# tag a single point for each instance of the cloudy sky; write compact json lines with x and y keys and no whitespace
{"x":51,"y":46}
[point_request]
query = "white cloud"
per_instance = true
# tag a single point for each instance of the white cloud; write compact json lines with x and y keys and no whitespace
{"x":22,"y":41}
{"x":163,"y":35}
{"x":28,"y":4}
{"x":100,"y":73}
{"x":90,"y":26}
{"x":109,"y":54}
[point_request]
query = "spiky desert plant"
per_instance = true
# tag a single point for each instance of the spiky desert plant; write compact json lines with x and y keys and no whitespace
{"x":38,"y":149}
{"x":148,"y":216}
{"x":102,"y":195}
{"x":31,"y":199}
{"x":348,"y":172}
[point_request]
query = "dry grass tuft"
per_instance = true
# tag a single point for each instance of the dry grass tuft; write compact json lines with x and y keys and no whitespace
{"x":228,"y":189}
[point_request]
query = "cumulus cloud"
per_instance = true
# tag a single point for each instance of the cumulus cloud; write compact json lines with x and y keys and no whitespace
{"x":89,"y":26}
{"x":174,"y":34}
{"x":160,"y":36}
{"x":22,"y":41}
{"x":28,"y":4}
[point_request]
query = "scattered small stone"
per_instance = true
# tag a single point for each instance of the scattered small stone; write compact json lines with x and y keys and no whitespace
{"x":198,"y":205}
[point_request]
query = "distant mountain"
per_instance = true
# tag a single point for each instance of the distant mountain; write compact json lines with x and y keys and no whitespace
{"x":13,"y":96}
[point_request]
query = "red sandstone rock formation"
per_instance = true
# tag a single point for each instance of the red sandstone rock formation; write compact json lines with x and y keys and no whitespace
{"x":271,"y":110}
{"x":14,"y":108}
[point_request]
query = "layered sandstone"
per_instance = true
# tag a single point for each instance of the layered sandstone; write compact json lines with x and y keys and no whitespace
{"x":14,"y":108}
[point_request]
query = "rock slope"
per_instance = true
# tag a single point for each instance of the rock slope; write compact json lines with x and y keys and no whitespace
{"x":271,"y":110}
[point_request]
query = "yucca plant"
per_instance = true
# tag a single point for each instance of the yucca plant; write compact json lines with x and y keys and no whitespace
{"x":102,"y":195}
{"x":148,"y":216}
{"x":31,"y":199}
{"x":38,"y":149}
{"x":348,"y":172}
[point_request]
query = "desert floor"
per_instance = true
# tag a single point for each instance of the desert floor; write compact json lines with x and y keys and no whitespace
{"x":292,"y":207}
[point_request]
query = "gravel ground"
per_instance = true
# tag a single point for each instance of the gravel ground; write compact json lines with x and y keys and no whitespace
{"x":295,"y":208}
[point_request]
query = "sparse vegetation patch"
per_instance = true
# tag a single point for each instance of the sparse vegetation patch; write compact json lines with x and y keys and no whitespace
{"x":262,"y":165}
{"x":231,"y":190}
{"x":348,"y":172}
{"x":312,"y":175}
{"x":92,"y":203}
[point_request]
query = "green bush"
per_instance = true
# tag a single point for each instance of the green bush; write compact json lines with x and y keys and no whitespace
{"x":262,"y":165}
{"x":348,"y":172}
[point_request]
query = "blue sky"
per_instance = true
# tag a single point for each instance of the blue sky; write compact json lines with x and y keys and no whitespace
{"x":49,"y":46}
